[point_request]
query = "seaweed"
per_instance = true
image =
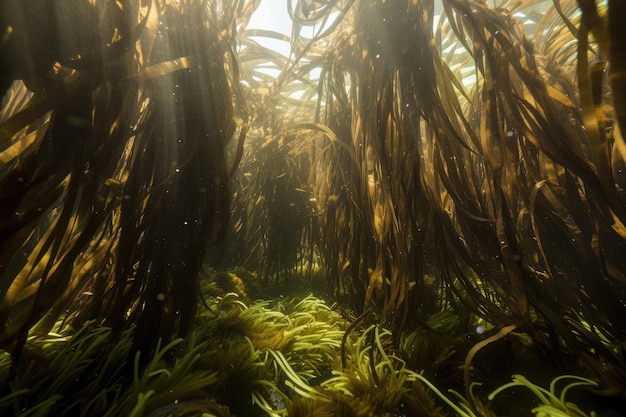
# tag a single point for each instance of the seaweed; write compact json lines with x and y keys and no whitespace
{"x":431,"y":167}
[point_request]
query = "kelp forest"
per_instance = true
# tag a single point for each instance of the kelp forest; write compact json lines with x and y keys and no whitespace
{"x":391,"y":208}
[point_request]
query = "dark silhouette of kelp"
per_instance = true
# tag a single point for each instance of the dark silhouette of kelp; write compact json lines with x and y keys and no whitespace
{"x":114,"y":178}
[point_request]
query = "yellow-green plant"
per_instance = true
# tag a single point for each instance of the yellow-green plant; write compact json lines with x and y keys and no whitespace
{"x":226,"y":357}
{"x":553,"y":403}
{"x":58,"y":372}
{"x":377,"y":382}
{"x":266,"y":348}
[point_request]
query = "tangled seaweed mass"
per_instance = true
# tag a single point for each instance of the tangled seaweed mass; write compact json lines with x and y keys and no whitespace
{"x":419,"y":209}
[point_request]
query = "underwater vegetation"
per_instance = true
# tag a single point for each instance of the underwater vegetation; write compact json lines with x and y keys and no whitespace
{"x":449,"y":175}
{"x":234,"y":361}
{"x":276,"y":357}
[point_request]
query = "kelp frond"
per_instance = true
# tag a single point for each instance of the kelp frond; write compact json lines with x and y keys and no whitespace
{"x":125,"y":123}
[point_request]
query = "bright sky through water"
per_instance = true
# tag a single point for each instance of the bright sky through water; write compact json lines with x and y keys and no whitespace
{"x":272,"y":15}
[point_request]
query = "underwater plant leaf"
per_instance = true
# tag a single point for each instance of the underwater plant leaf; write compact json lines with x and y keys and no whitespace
{"x":550,"y":403}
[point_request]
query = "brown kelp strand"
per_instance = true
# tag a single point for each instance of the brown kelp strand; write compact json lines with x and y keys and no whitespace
{"x":119,"y":178}
{"x":494,"y":184}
